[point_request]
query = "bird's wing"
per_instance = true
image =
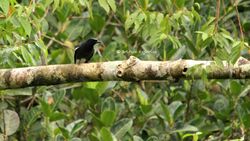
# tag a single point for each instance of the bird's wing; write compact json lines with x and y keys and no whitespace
{"x":76,"y":48}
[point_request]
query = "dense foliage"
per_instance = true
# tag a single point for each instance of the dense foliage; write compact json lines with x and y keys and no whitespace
{"x":44,"y":32}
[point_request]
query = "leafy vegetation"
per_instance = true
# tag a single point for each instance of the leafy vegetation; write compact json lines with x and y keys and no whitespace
{"x":44,"y":32}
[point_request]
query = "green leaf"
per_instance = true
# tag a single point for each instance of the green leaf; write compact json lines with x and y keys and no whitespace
{"x":3,"y":105}
{"x":179,"y":111}
{"x":155,"y":98}
{"x":108,"y":117}
{"x":4,"y":5}
{"x":222,"y":54}
{"x":191,"y":45}
{"x":245,"y":120}
{"x":218,"y":61}
{"x":122,"y":127}
{"x":26,"y":25}
{"x":55,"y":116}
{"x":76,"y":126}
{"x":55,"y":5}
{"x":142,"y":96}
{"x":93,"y":137}
{"x":131,"y":19}
{"x":235,"y":87}
{"x":45,"y":108}
{"x":138,"y":22}
{"x":47,"y":3}
{"x":76,"y":139}
{"x":137,"y":138}
{"x":104,"y":5}
{"x":221,"y":106}
{"x":163,"y":36}
{"x":196,"y":14}
{"x":88,"y":3}
{"x":176,"y":43}
{"x":101,"y":87}
{"x":27,"y":56}
{"x":244,"y":92}
{"x":2,"y":137}
{"x":194,"y":135}
{"x":11,"y":122}
{"x":235,"y":54}
{"x":91,"y":85}
{"x":246,"y":26}
{"x":58,"y":97}
{"x":31,"y":116}
{"x":74,"y":30}
{"x":174,"y":106}
{"x":180,"y":3}
{"x":43,"y":50}
{"x":146,"y":108}
{"x":187,"y":128}
{"x":63,"y":13}
{"x":86,"y":93}
{"x":167,"y":114}
{"x":64,"y":132}
{"x":227,"y":36}
{"x":96,"y":120}
{"x":204,"y":36}
{"x":243,"y":113}
{"x":109,"y":104}
{"x":112,"y":4}
{"x":153,"y":138}
{"x":97,"y":22}
{"x":106,"y":135}
{"x":143,"y":4}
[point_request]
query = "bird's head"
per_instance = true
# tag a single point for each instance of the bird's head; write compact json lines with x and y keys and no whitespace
{"x":99,"y":45}
{"x":92,"y":42}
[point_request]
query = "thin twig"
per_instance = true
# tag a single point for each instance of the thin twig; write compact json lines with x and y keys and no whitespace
{"x":51,"y":39}
{"x":104,"y":27}
{"x":217,"y":15}
{"x":79,"y":17}
{"x":4,"y":127}
{"x":34,"y":89}
{"x":114,"y":24}
{"x":120,"y":2}
{"x":119,"y":22}
{"x":136,"y":2}
{"x":224,"y":7}
{"x":54,"y":40}
{"x":238,"y":18}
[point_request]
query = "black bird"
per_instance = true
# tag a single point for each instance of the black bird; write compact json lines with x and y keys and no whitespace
{"x":85,"y":50}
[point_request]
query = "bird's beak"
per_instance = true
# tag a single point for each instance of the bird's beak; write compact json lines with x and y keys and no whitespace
{"x":101,"y":43}
{"x":99,"y":48}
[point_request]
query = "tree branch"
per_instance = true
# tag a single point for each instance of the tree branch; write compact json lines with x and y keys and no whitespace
{"x":132,"y":69}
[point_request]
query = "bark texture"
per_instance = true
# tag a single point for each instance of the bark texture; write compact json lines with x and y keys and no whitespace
{"x":132,"y":69}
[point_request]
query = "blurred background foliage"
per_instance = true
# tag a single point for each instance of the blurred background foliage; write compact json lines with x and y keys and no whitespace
{"x":45,"y":32}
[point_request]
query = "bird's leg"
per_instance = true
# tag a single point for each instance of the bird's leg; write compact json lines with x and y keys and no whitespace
{"x":82,"y":60}
{"x":78,"y":61}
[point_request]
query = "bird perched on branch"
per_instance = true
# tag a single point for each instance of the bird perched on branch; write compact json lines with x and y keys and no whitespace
{"x":85,"y":51}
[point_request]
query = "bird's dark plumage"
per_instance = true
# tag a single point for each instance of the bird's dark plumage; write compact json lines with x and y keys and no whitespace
{"x":85,"y":50}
